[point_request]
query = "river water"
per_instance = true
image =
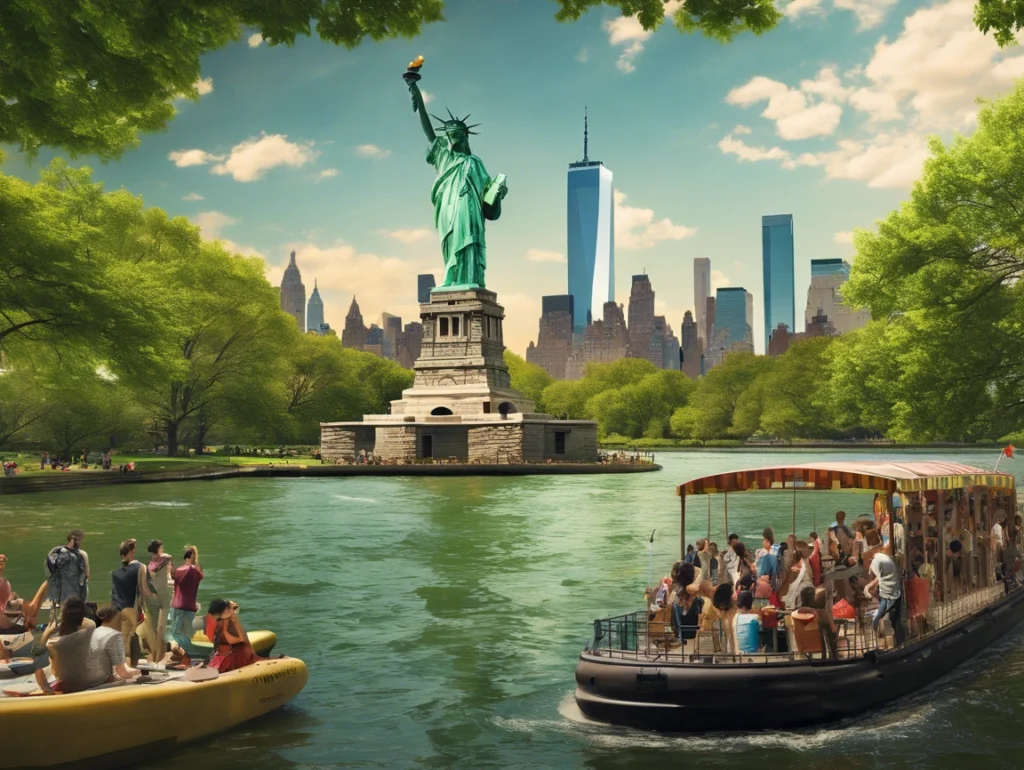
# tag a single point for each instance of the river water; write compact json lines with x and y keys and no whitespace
{"x":441,"y":618}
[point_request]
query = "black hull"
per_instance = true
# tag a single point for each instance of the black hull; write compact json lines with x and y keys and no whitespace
{"x":677,"y":697}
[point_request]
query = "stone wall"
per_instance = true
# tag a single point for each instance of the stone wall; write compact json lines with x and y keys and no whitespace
{"x":580,"y":442}
{"x":344,"y":443}
{"x":397,"y":443}
{"x":497,"y":444}
{"x":446,"y":441}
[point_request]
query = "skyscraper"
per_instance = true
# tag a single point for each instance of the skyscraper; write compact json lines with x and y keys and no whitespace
{"x":392,"y":327}
{"x":554,"y":338}
{"x":824,"y":297}
{"x":424,"y":283}
{"x":590,"y":226}
{"x":691,"y":346}
{"x":701,"y":292}
{"x":293,"y":293}
{"x":315,"y":312}
{"x":777,"y":262}
{"x":642,"y":321}
{"x":354,"y":333}
{"x":733,"y":317}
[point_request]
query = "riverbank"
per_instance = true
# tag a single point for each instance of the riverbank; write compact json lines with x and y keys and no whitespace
{"x":72,"y":480}
{"x":842,"y":446}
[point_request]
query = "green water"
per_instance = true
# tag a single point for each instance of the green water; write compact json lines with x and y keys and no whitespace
{"x":441,"y":618}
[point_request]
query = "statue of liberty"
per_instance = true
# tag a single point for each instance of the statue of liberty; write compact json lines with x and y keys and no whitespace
{"x":464,"y":195}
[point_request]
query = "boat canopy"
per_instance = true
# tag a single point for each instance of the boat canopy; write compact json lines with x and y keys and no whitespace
{"x":868,"y":475}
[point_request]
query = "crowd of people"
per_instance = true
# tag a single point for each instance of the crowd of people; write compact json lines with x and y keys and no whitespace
{"x":149,"y":620}
{"x":739,"y":596}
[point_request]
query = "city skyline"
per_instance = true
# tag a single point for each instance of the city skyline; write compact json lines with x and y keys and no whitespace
{"x":314,"y":148}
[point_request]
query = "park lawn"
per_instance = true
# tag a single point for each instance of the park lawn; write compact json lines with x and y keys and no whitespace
{"x":28,"y":463}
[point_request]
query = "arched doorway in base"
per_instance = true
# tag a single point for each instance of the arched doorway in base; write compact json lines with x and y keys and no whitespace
{"x":440,"y":411}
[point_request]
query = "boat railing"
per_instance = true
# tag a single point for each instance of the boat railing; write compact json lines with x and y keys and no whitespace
{"x":634,"y":636}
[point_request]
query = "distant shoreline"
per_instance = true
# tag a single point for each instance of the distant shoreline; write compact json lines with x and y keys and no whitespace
{"x":837,"y":445}
{"x":71,"y":480}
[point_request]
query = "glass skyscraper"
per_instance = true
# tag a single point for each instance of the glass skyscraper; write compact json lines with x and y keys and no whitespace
{"x":424,"y":283}
{"x":733,"y":316}
{"x":777,"y":260}
{"x":315,"y":311}
{"x":590,"y":225}
{"x":838,"y":268}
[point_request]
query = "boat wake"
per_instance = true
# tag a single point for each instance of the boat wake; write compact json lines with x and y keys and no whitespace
{"x":128,"y":506}
{"x":573,"y":722}
{"x":355,"y":499}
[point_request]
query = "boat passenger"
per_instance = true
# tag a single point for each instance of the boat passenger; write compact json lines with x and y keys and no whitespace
{"x":709,"y":616}
{"x":702,"y":559}
{"x":954,"y":559}
{"x":67,"y":569}
{"x":800,"y":576}
{"x":746,"y":625}
{"x":24,"y":611}
{"x":160,"y":569}
{"x":744,"y":562}
{"x":843,"y":534}
{"x":72,"y":620}
{"x":129,"y":588}
{"x":998,"y":537}
{"x":725,"y":606}
{"x":886,"y":580}
{"x":231,"y":647}
{"x":718,"y":571}
{"x":732,"y":561}
{"x":815,"y":559}
{"x":766,"y":557}
{"x":689,"y":554}
{"x":183,"y":605}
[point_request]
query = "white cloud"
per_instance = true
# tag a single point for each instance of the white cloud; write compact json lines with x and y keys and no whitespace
{"x":540,"y":255}
{"x":251,"y":159}
{"x":409,"y":236}
{"x":192,"y":197}
{"x":328,"y":173}
{"x":186,"y":158}
{"x":583,"y":56}
{"x":636,"y":228}
{"x":371,"y":151}
{"x":843,"y":237}
{"x":925,"y":80}
{"x":626,"y":30}
{"x":210,"y":225}
{"x":869,"y":13}
{"x":204,"y":86}
{"x":719,"y":279}
{"x":795,"y":115}
{"x":256,"y":40}
{"x":427,"y":97}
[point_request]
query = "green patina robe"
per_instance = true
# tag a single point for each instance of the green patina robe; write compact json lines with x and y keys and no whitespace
{"x":457,"y":196}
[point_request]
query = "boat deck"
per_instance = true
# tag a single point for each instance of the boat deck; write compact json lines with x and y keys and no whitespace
{"x":632,"y":637}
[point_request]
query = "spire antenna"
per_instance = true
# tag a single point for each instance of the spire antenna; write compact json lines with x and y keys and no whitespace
{"x":585,"y":134}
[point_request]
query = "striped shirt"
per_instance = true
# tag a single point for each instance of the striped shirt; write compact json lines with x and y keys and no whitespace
{"x":88,"y":657}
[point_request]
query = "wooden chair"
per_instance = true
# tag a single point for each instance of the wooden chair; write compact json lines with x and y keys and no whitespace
{"x":805,"y":632}
{"x":660,"y":634}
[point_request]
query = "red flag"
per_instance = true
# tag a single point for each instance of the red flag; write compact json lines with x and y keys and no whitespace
{"x":1008,"y":451}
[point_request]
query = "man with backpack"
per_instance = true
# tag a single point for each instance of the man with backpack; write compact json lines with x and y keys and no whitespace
{"x":67,"y":570}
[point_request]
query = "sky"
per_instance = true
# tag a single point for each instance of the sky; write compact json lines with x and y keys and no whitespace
{"x":316,"y":149}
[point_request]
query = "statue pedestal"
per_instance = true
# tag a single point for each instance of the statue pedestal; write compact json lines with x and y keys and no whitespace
{"x":461,"y":369}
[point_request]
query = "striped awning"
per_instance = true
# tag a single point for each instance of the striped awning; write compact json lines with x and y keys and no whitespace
{"x":878,"y":476}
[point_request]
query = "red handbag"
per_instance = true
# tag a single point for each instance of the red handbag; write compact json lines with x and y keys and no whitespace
{"x":843,"y":610}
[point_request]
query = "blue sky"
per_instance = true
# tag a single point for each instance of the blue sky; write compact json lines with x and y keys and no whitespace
{"x":316,"y":148}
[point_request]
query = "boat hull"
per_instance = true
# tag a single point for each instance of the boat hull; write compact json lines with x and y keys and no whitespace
{"x":121,"y":724}
{"x":698,"y":698}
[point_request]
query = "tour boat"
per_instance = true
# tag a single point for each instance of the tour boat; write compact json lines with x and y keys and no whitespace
{"x":119,"y":724}
{"x":632,"y":673}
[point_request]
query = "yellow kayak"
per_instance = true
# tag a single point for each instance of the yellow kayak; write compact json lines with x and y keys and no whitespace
{"x":122,"y":719}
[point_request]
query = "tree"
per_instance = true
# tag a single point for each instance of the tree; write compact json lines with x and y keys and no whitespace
{"x":711,"y":408}
{"x":64,"y":276}
{"x":641,"y":408}
{"x":1003,"y":18}
{"x":21,"y":404}
{"x":794,"y":405}
{"x":529,"y":379}
{"x":942,"y":275}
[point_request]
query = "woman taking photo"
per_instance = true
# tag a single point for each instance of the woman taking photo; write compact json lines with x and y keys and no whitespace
{"x":231,"y":647}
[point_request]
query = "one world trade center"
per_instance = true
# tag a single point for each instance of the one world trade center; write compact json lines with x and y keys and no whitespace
{"x":591,"y":238}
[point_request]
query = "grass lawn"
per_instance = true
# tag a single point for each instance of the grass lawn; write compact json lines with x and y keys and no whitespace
{"x":28,"y":463}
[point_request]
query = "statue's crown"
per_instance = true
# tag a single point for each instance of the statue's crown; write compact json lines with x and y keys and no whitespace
{"x":454,"y":124}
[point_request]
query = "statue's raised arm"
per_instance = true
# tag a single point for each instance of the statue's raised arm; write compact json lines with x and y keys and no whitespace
{"x":411,"y":76}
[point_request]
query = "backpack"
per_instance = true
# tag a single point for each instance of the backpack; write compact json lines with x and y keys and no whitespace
{"x":65,"y":572}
